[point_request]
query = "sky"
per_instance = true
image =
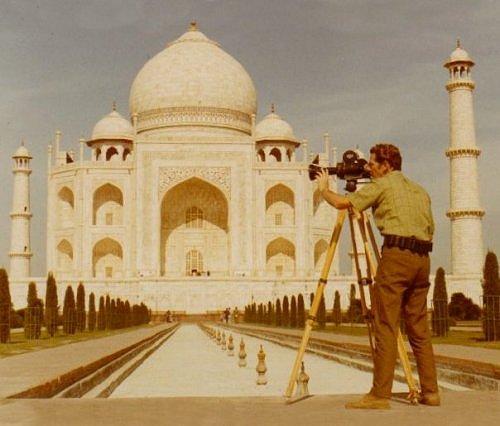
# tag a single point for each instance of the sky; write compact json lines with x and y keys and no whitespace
{"x":363,"y":71}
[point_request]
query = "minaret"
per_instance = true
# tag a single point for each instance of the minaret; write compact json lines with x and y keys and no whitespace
{"x":20,"y":247}
{"x":465,"y":212}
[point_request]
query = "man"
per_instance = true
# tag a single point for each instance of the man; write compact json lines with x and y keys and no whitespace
{"x":402,"y":213}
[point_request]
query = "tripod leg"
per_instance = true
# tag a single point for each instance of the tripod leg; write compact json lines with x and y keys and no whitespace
{"x":316,"y":301}
{"x":366,"y":312}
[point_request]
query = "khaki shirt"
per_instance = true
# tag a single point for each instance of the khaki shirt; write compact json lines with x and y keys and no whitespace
{"x":399,"y":206}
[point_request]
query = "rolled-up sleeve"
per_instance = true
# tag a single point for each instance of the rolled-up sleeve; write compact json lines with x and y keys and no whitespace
{"x":367,"y":196}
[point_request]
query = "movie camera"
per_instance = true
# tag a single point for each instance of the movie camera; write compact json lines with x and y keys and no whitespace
{"x":351,"y":169}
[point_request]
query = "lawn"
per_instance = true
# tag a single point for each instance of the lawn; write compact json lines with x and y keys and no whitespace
{"x":464,"y":337}
{"x":19,"y":344}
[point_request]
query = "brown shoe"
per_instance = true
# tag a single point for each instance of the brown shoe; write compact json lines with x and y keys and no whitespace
{"x":370,"y":402}
{"x":430,"y":398}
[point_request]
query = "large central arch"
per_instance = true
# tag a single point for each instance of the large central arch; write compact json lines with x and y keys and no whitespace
{"x":194,"y":217}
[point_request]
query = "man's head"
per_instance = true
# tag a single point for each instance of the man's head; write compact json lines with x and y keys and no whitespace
{"x":384,"y":158}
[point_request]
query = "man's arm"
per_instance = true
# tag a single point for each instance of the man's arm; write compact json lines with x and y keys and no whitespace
{"x":338,"y":201}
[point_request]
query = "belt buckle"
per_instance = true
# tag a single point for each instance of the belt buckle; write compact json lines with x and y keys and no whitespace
{"x":412,"y":243}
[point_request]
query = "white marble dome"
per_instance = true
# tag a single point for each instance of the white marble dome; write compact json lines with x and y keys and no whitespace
{"x":459,"y":55}
{"x":193,"y":82}
{"x":113,"y":126}
{"x":22,"y":152}
{"x":273,"y":127}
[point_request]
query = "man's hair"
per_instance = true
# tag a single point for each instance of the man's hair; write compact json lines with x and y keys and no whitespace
{"x":387,"y":152}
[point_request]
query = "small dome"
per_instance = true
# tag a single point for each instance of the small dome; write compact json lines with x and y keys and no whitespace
{"x":113,"y":126}
{"x":22,"y":152}
{"x":273,"y":127}
{"x":459,"y":55}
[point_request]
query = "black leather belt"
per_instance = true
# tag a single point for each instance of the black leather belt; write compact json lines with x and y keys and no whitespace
{"x":408,"y":243}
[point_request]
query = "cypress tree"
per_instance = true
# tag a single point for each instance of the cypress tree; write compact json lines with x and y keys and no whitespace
{"x":278,"y":317}
{"x":285,"y":315}
{"x":112,"y":314}
{"x":108,"y":312}
{"x":293,"y":312}
{"x":254,"y":312}
{"x":92,"y":313}
{"x":80,"y":308}
{"x":337,"y":313}
{"x":51,"y":306}
{"x":128,"y":314}
{"x":491,"y":298}
{"x":269,"y":313}
{"x":33,"y":314}
{"x":322,"y":312}
{"x":69,"y":311}
{"x":354,"y":312}
{"x":101,"y":315}
{"x":5,"y":306}
{"x":440,"y":324}
{"x":301,"y":312}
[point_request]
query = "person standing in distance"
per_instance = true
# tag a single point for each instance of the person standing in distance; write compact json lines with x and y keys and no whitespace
{"x":402,"y":213}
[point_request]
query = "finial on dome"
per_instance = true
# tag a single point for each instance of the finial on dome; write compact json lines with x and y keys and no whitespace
{"x":22,"y":142}
{"x":114,"y":105}
{"x":273,"y":108}
{"x":194,"y":26}
{"x":458,"y":44}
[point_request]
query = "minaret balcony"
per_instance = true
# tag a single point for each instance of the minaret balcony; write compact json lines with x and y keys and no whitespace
{"x":463,"y":152}
{"x":458,"y":84}
{"x":26,"y":215}
{"x":464,"y":213}
{"x":26,"y":254}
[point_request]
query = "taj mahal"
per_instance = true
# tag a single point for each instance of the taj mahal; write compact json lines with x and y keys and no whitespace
{"x":190,"y":204}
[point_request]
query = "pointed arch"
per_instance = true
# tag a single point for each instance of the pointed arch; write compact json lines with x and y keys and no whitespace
{"x":126,"y":154}
{"x":111,"y":153}
{"x":320,"y":249}
{"x":261,"y":156}
{"x":317,"y":200}
{"x":107,"y":259}
{"x":107,"y":205}
{"x":64,"y":258}
{"x":276,"y":154}
{"x":280,"y":257}
{"x":280,"y":206}
{"x":65,"y":208}
{"x":194,"y":262}
{"x":194,"y":216}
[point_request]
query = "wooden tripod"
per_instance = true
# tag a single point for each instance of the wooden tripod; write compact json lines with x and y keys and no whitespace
{"x":368,"y":313}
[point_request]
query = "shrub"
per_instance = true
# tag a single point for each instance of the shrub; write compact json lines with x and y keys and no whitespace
{"x":440,"y":325}
{"x":285,"y":314}
{"x":293,"y":312}
{"x":69,"y":311}
{"x":5,"y":306}
{"x":51,"y":307}
{"x":336,"y":311}
{"x":33,"y":314}
{"x":80,"y":308}
{"x":92,"y":313}
{"x":491,"y":298}
{"x":301,"y":312}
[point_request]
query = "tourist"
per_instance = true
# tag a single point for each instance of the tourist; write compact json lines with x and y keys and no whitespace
{"x":402,"y":213}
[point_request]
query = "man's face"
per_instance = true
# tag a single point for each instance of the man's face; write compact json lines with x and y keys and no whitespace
{"x":377,"y":169}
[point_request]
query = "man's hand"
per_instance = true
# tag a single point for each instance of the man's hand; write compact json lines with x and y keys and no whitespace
{"x":336,"y":200}
{"x":322,"y":179}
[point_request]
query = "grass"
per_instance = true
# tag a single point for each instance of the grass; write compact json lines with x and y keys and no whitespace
{"x":19,"y":344}
{"x":471,"y":337}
